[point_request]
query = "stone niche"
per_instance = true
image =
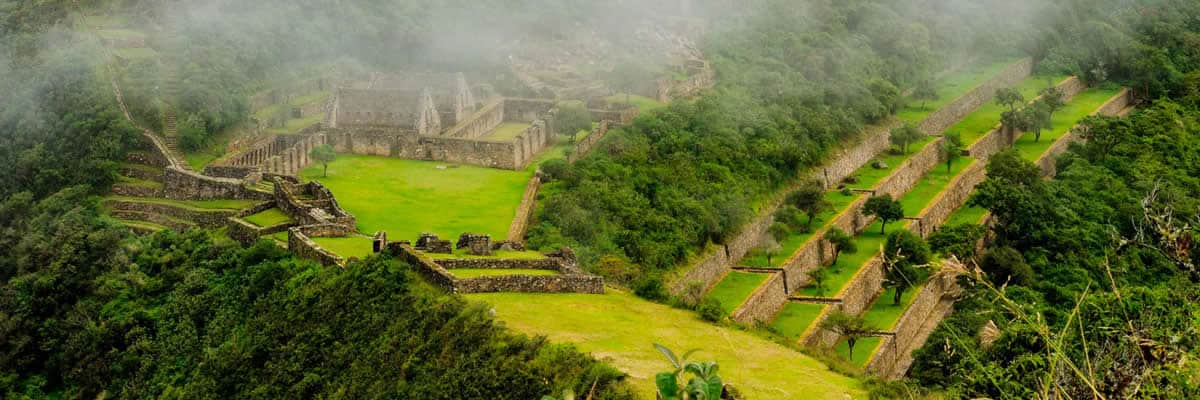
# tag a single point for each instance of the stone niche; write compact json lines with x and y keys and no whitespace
{"x":477,"y":245}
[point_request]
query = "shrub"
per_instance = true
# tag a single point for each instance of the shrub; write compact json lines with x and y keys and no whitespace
{"x":192,"y":132}
{"x":650,"y":288}
{"x":616,"y":269}
{"x":1007,"y":265}
{"x":555,"y":169}
{"x":710,"y":309}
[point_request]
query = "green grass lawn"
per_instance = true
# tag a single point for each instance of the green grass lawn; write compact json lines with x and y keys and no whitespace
{"x":884,"y":314}
{"x":928,"y":187}
{"x":406,"y":197}
{"x":192,"y":204}
{"x":951,"y":88}
{"x":280,"y":236}
{"x":135,"y":53}
{"x":349,"y":246}
{"x":641,"y":102}
{"x":869,"y":176}
{"x":1079,"y":107}
{"x":507,"y":131}
{"x":795,"y":318}
{"x":475,"y":273}
{"x":987,"y":117}
{"x":621,"y":329}
{"x":966,"y":215}
{"x":862,"y":350}
{"x":129,"y":181}
{"x":269,"y":217}
{"x":735,"y":288}
{"x":788,"y":246}
{"x":462,"y":254}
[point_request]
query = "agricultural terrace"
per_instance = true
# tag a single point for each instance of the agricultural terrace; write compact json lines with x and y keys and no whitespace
{"x":951,"y":87}
{"x":883,"y":314}
{"x":619,"y":328}
{"x":985,"y":118}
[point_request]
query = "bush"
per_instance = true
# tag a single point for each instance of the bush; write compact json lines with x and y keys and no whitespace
{"x":556,"y":169}
{"x":1007,"y":265}
{"x":710,"y":309}
{"x":192,"y":133}
{"x":616,"y":269}
{"x":779,"y":231}
{"x":958,"y":240}
{"x":650,"y":288}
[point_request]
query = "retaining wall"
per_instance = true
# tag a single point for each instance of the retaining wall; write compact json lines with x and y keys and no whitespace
{"x":765,"y":302}
{"x":525,"y":212}
{"x":585,"y":145}
{"x":911,"y":329}
{"x":301,"y":244}
{"x":179,"y":184}
{"x":247,"y":233}
{"x":480,"y":123}
{"x":551,"y":264}
{"x":950,"y":114}
{"x":1001,"y":137}
{"x":856,"y":297}
{"x":956,"y":194}
{"x":202,"y":218}
{"x":1049,"y":160}
{"x":532,"y":284}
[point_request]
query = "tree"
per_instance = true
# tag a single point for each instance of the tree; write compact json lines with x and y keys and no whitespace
{"x":1037,"y":117}
{"x":885,"y":208}
{"x":628,"y":76}
{"x":841,"y":242}
{"x":925,"y":91}
{"x":905,"y":135}
{"x":1010,"y":97}
{"x":904,"y":254}
{"x":1053,"y":99}
{"x":952,"y":148}
{"x":847,"y":326}
{"x":1102,"y":134}
{"x":770,"y":247}
{"x":1006,"y":265}
{"x":572,"y":117}
{"x":811,"y":200}
{"x":323,"y":154}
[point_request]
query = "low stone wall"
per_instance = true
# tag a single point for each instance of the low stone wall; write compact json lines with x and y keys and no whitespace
{"x":203,"y":218}
{"x":322,"y":209}
{"x":247,"y":233}
{"x":179,"y":184}
{"x":159,"y":219}
{"x":524,"y":217}
{"x":128,"y":190}
{"x":532,"y":284}
{"x":585,"y":145}
{"x":432,"y":272}
{"x":764,"y":303}
{"x":863,"y":289}
{"x":480,"y":123}
{"x":229,"y":171}
{"x":702,"y":77}
{"x":147,"y":157}
{"x":932,"y":303}
{"x":301,"y":244}
{"x":956,"y":194}
{"x":620,"y":117}
{"x":145,"y":174}
{"x":513,"y":154}
{"x":950,"y":114}
{"x":550,"y":264}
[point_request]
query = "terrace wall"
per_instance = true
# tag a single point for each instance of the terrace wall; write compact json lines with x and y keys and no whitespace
{"x":954,"y":196}
{"x":247,"y":233}
{"x":585,"y":145}
{"x":525,"y":212}
{"x":301,"y":244}
{"x":950,"y":114}
{"x":202,"y":218}
{"x":480,"y":123}
{"x":179,"y":184}
{"x":914,"y":326}
{"x":1048,"y":160}
{"x":532,"y":284}
{"x":765,"y":302}
{"x":856,"y":297}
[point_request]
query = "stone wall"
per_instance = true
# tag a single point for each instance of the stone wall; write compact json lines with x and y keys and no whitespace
{"x":202,"y":218}
{"x":856,"y":297}
{"x":180,"y":184}
{"x":620,"y":117}
{"x":548,"y":263}
{"x":322,"y":209}
{"x":480,"y":123}
{"x":764,"y":302}
{"x":701,"y":77}
{"x":1049,"y":160}
{"x":247,"y":233}
{"x":585,"y":145}
{"x":913,"y":327}
{"x":524,"y":217}
{"x":301,"y":244}
{"x":432,"y":272}
{"x":950,"y":114}
{"x":956,"y":194}
{"x":532,"y":284}
{"x":133,"y":190}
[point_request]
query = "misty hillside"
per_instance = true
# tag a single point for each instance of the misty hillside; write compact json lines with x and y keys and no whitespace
{"x":615,"y":199}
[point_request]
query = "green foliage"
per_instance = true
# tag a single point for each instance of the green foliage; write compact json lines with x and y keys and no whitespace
{"x":323,"y":154}
{"x":810,"y":199}
{"x":1010,"y":97}
{"x":904,"y":256}
{"x":885,"y":208}
{"x":849,"y":327}
{"x":841,"y":242}
{"x":710,"y":309}
{"x":952,"y":148}
{"x":572,"y":118}
{"x":705,"y":383}
{"x":906,"y":135}
{"x":1005,"y":265}
{"x":925,"y":91}
{"x":192,"y":133}
{"x":959,"y":240}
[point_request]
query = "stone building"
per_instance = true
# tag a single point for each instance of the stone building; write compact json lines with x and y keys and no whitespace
{"x":402,"y":109}
{"x":451,"y":94}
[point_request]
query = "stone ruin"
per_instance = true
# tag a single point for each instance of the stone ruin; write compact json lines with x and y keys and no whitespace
{"x":477,"y":245}
{"x":430,"y":243}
